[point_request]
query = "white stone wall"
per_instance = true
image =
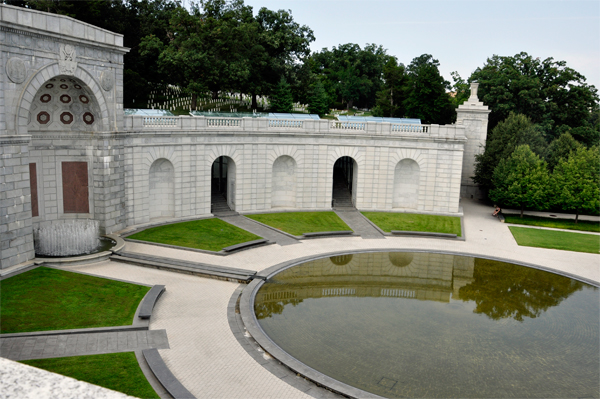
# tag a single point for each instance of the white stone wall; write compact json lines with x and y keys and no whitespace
{"x":406,"y":184}
{"x":161,"y":196}
{"x":283,"y":192}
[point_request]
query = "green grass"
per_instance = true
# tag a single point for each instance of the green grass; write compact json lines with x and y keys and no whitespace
{"x":415,"y":222}
{"x":556,"y":239}
{"x":117,"y":371}
{"x":207,"y":234}
{"x":50,"y":299}
{"x":298,"y":223}
{"x":569,"y":224}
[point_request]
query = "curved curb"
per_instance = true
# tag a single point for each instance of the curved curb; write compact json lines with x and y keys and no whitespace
{"x":164,"y":376}
{"x":246,"y":308}
{"x":79,"y":260}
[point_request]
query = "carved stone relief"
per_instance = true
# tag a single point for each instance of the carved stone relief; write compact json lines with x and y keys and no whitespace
{"x":107,"y":80}
{"x":16,"y":70}
{"x":67,"y":61}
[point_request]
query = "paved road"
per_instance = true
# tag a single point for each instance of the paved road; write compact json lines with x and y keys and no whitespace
{"x":205,"y":356}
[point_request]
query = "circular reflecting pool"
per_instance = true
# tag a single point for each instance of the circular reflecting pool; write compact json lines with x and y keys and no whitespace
{"x":437,"y":326}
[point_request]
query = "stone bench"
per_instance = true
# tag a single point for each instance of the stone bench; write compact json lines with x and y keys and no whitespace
{"x":245,"y":245}
{"x":150,"y":300}
{"x":164,"y":375}
{"x":423,"y":234}
{"x":328,"y":233}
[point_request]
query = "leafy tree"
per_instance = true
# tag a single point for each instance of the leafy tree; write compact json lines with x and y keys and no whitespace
{"x":428,"y":98}
{"x":318,"y":102}
{"x":560,"y":147}
{"x":576,"y":181}
{"x":502,"y":290}
{"x":462,"y":89}
{"x":501,"y":142}
{"x":547,"y":91}
{"x":390,"y":100}
{"x":521,"y":180}
{"x":281,"y":100}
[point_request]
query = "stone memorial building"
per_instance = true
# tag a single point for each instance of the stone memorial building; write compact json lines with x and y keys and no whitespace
{"x":67,"y":151}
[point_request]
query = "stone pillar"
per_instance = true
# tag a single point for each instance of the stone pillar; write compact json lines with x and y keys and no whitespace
{"x":474,"y":116}
{"x":16,"y":232}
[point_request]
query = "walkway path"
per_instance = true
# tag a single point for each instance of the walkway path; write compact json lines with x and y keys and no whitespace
{"x":358,"y":223}
{"x":47,"y":346}
{"x":256,"y":228}
{"x":204,"y":354}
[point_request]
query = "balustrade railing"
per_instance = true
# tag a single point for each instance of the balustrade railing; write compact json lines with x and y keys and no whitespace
{"x":349,"y":125}
{"x":223,"y":122}
{"x":405,"y":128}
{"x":286,"y":123}
{"x":167,"y":121}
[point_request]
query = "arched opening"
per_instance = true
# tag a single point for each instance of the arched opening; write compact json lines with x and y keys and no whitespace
{"x":161,"y":196}
{"x":283,"y":186}
{"x":345,"y":176}
{"x":341,"y":260}
{"x":223,"y":185}
{"x":400,"y":259}
{"x":406,"y":184}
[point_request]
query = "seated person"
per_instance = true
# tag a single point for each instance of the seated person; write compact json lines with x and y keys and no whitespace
{"x":496,"y":211}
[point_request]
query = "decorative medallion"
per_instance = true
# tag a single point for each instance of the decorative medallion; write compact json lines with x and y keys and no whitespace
{"x":63,"y":80}
{"x":67,"y":59}
{"x":84,"y":99}
{"x":53,"y":80}
{"x":77,"y":86}
{"x":16,"y":70}
{"x":65,"y":99}
{"x":49,"y":86}
{"x":43,"y":117}
{"x":45,"y":98}
{"x":88,"y":118}
{"x":106,"y":80}
{"x":66,"y":118}
{"x":71,"y":80}
{"x":64,"y":86}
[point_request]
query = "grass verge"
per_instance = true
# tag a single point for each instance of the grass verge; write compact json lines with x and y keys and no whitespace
{"x":207,"y":234}
{"x":553,"y":239}
{"x":569,"y":224}
{"x":415,"y":222}
{"x":50,"y":299}
{"x":298,"y":223}
{"x":117,"y":371}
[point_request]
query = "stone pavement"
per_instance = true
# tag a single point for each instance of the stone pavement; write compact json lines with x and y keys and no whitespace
{"x":204,"y":354}
{"x":62,"y":345}
{"x":256,"y":228}
{"x":358,"y":223}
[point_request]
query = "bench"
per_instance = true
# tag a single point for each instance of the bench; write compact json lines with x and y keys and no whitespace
{"x":328,"y":233}
{"x":164,"y":375}
{"x":150,"y":300}
{"x":423,"y":234}
{"x":245,"y":245}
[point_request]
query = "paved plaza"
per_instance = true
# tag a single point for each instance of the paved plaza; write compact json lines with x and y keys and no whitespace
{"x":204,"y":354}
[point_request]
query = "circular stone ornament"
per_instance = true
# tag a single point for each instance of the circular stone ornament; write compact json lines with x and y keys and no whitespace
{"x":107,"y":80}
{"x":66,"y":118}
{"x":43,"y":118}
{"x":45,"y":98}
{"x":88,"y":118}
{"x":84,"y":99}
{"x":65,"y":99}
{"x":16,"y":70}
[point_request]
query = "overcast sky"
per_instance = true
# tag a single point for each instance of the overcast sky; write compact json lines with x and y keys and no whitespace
{"x":460,"y":34}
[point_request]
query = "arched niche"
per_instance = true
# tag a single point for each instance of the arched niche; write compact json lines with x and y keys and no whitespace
{"x":283,"y":186}
{"x":223,"y":184}
{"x":161,"y":193}
{"x":64,"y":104}
{"x":345,"y":178}
{"x":406,"y":184}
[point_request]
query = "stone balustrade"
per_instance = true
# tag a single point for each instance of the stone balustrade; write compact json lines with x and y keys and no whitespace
{"x":201,"y":123}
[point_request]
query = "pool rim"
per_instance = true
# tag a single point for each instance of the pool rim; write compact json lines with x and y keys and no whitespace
{"x":251,"y":324}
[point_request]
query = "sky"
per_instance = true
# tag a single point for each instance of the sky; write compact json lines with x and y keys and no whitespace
{"x":462,"y":35}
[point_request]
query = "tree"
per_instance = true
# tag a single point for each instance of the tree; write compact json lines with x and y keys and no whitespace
{"x":548,"y":92}
{"x":521,"y":180}
{"x":576,"y":181}
{"x":560,"y":147}
{"x":281,"y":100}
{"x":318,"y":102}
{"x":428,"y":99}
{"x":501,"y":142}
{"x":390,"y":100}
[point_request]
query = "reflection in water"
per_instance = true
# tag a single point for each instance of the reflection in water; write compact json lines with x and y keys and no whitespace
{"x":503,"y":290}
{"x":432,"y":325}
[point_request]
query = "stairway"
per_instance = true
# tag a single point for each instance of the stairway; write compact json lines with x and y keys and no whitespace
{"x":342,"y":197}
{"x":219,"y":206}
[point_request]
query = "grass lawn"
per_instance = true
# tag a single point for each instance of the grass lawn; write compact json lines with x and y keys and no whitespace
{"x":582,"y":225}
{"x":415,"y":222}
{"x":556,"y":239}
{"x":298,"y":223}
{"x":117,"y":371}
{"x":208,"y":234}
{"x":51,"y":299}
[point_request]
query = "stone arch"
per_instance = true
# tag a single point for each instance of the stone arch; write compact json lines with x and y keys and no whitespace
{"x":40,"y":78}
{"x":283,"y":186}
{"x":150,"y":158}
{"x":161,"y":187}
{"x":406,"y":184}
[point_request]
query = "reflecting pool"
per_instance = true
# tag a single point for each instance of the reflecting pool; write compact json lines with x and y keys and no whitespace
{"x":437,"y":326}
